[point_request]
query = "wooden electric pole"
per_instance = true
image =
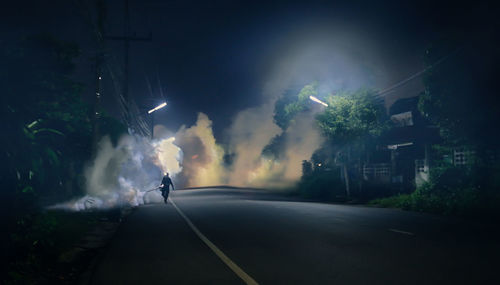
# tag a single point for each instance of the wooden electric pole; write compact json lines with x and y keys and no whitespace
{"x":99,"y":61}
{"x":127,"y":38}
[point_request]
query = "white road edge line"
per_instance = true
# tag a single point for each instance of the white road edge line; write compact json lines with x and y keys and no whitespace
{"x":401,"y":232}
{"x":235,"y":268}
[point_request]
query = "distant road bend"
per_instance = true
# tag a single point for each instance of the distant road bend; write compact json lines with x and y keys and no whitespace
{"x":243,"y":236}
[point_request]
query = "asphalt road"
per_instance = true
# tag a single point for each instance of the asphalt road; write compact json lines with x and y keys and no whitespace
{"x":276,"y":240}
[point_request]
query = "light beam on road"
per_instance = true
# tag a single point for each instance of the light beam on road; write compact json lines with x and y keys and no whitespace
{"x":318,"y":101}
{"x":157,"y":107}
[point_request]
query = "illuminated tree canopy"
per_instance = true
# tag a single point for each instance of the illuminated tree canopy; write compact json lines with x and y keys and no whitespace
{"x":352,"y":116}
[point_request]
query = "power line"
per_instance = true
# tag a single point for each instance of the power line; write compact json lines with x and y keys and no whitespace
{"x":127,"y":38}
{"x":129,"y":111}
{"x":85,"y":10}
{"x":390,"y":89}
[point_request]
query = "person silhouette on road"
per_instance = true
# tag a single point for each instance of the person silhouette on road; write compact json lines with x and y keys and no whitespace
{"x":165,"y":186}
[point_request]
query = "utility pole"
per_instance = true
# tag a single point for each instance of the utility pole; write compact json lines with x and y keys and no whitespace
{"x":97,"y":100}
{"x":99,"y":60}
{"x":127,"y":38}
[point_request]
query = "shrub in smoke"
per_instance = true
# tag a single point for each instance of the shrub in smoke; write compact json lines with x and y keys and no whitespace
{"x":322,"y":185}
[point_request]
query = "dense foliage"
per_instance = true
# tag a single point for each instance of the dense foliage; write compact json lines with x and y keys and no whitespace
{"x":452,"y":190}
{"x":48,"y":122}
{"x":460,"y":94}
{"x":460,"y":99}
{"x":352,"y":117}
{"x":46,"y":141}
{"x":289,"y":105}
{"x":316,"y":183}
{"x":352,"y":123}
{"x":286,"y":109}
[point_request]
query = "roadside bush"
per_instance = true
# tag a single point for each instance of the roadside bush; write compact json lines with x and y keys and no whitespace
{"x":39,"y":240}
{"x":46,"y":143}
{"x":398,"y":201}
{"x":322,"y":185}
{"x":451,"y":190}
{"x":374,"y":190}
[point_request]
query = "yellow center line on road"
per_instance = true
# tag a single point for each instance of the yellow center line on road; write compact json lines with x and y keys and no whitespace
{"x":233,"y":266}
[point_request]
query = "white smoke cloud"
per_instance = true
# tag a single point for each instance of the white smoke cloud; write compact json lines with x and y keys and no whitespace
{"x":203,"y":163}
{"x":252,"y":130}
{"x":168,"y":156}
{"x":303,"y":138}
{"x":123,"y":174}
{"x":337,"y":58}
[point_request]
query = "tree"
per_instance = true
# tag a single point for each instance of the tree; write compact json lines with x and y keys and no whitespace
{"x":47,"y":132}
{"x":351,"y":120}
{"x":289,"y":105}
{"x":460,"y":98}
{"x":286,"y":108}
{"x":460,"y":94}
{"x":306,"y":168}
{"x":46,"y":138}
{"x":276,"y":147}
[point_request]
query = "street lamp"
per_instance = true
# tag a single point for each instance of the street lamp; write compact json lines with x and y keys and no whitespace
{"x":318,"y":101}
{"x":157,"y":107}
{"x":153,"y":116}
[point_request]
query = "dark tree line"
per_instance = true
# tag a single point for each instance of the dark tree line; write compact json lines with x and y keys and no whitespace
{"x":46,"y":137}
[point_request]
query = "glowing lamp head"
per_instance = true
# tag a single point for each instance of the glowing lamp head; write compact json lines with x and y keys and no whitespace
{"x":157,"y":107}
{"x":318,"y":101}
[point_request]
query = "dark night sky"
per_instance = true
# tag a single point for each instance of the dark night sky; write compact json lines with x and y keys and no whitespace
{"x":222,"y":57}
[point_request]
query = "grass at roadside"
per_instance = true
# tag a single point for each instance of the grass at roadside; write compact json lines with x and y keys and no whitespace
{"x":399,"y":201}
{"x":465,"y":202}
{"x":38,"y":242}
